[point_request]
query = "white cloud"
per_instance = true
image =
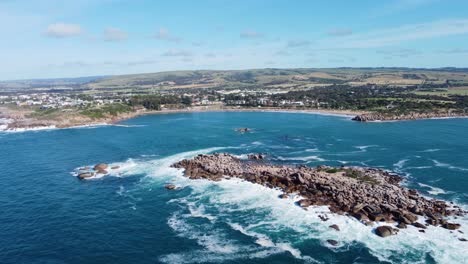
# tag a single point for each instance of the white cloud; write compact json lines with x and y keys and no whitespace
{"x":114,"y":34}
{"x":402,"y":53}
{"x":405,"y":33}
{"x":298,"y":43}
{"x":398,"y":6}
{"x":62,"y":30}
{"x":164,"y":34}
{"x":177,"y":53}
{"x":250,"y":34}
{"x":340,"y":32}
{"x":454,"y":51}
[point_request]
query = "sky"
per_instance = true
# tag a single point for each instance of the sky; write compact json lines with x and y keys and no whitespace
{"x":56,"y":38}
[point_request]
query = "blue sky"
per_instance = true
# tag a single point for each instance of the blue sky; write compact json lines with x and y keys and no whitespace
{"x":54,"y":38}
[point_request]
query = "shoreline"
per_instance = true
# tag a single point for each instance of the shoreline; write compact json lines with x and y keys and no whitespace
{"x":50,"y":124}
{"x":352,"y":114}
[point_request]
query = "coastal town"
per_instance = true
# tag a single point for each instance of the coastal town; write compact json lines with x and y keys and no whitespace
{"x":402,"y":96}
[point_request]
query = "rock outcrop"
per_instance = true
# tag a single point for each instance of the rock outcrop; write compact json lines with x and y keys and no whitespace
{"x":400,"y":117}
{"x":100,"y":166}
{"x":170,"y":187}
{"x":85,"y":175}
{"x":385,"y":231}
{"x":259,"y":156}
{"x":368,"y":194}
{"x":243,"y":130}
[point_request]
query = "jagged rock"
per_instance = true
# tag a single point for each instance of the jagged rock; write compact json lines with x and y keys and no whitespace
{"x":283,"y":196}
{"x":385,"y":231}
{"x":332,"y":242}
{"x":451,"y":226}
{"x":100,"y":167}
{"x":433,"y":222}
{"x":361,"y":217}
{"x":419,"y":225}
{"x":85,"y":175}
{"x":243,"y":130}
{"x":304,"y":203}
{"x":364,"y":193}
{"x":323,"y":218}
{"x":170,"y":186}
{"x":402,"y":225}
{"x":336,"y":227}
{"x":258,"y":156}
{"x":370,"y":117}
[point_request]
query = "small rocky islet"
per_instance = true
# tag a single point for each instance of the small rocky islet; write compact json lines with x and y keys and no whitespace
{"x":367,"y":194}
{"x":372,"y":117}
{"x":100,"y":168}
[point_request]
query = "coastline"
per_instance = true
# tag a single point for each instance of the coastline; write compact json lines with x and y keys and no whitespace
{"x":19,"y":123}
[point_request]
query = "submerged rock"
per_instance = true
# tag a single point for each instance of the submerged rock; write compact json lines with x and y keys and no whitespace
{"x":170,"y":186}
{"x":336,"y":227}
{"x":85,"y":175}
{"x":259,"y":156}
{"x":243,"y":129}
{"x":115,"y":167}
{"x":402,"y":225}
{"x":385,"y":231}
{"x":451,"y":226}
{"x":332,"y":242}
{"x":419,"y":225}
{"x":100,"y":167}
{"x":304,"y":203}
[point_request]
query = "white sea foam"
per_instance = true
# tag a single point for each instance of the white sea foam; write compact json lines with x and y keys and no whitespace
{"x":419,"y":167}
{"x":155,"y":168}
{"x":123,"y":125}
{"x":400,"y":163}
{"x":432,"y":190}
{"x":265,"y":241}
{"x":23,"y":129}
{"x":430,"y":150}
{"x":238,"y":196}
{"x":312,"y":150}
{"x":446,"y":165}
{"x":4,"y":127}
{"x":306,"y":158}
{"x":259,"y":213}
{"x":364,"y":148}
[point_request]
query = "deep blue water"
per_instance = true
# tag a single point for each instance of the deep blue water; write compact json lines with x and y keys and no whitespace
{"x":48,"y":216}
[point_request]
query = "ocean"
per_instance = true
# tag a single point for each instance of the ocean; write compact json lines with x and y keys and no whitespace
{"x":47,"y":215}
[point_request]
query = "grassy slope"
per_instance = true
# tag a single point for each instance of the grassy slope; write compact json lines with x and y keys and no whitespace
{"x":276,"y":78}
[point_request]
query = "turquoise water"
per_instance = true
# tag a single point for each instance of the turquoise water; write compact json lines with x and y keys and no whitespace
{"x":48,"y":216}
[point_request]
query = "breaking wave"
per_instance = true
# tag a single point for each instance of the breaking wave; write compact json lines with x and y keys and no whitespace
{"x":277,"y":226}
{"x":448,"y":166}
{"x":432,"y":190}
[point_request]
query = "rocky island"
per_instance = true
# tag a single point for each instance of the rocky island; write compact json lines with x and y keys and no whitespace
{"x":371,"y":117}
{"x":367,"y":194}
